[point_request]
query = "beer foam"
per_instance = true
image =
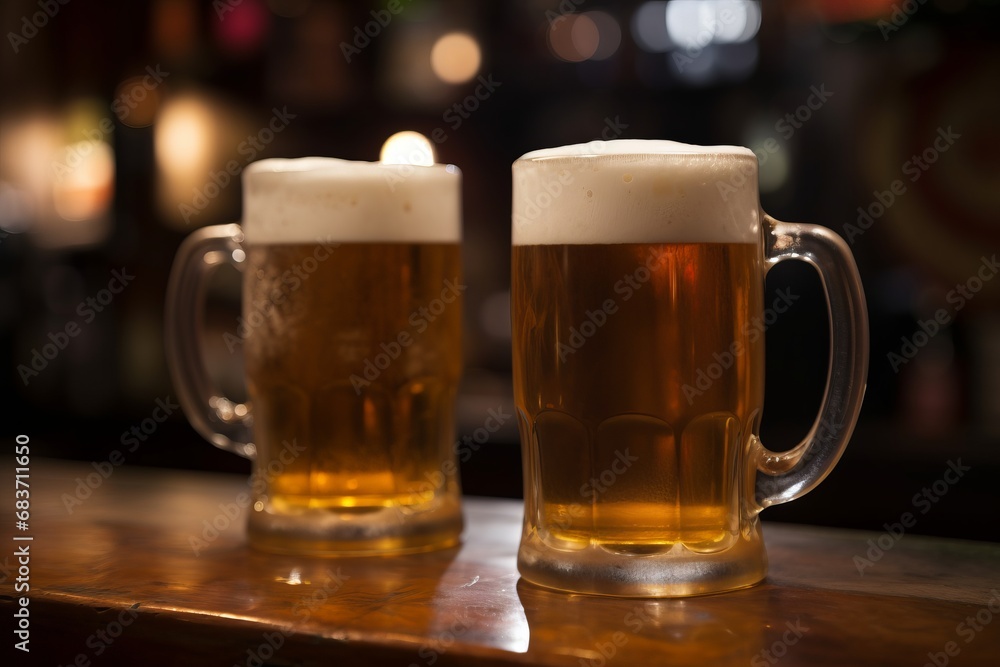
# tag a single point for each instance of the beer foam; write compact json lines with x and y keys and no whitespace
{"x":305,"y":200}
{"x":636,"y":191}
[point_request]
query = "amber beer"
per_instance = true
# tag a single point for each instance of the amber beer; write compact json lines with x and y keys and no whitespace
{"x":352,"y":362}
{"x":637,"y":278}
{"x":633,"y":277}
{"x":608,"y":342}
{"x":374,"y":438}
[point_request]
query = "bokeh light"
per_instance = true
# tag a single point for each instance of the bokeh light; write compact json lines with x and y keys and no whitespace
{"x":585,"y":36}
{"x":28,"y":148}
{"x":649,"y":27}
{"x":752,"y":25}
{"x":85,"y":188}
{"x":573,"y":37}
{"x":407,"y":147}
{"x":731,"y":21}
{"x":183,"y":136}
{"x":689,"y":23}
{"x":775,"y":172}
{"x":609,"y":34}
{"x":455,"y":57}
{"x":694,"y":24}
{"x":136,"y":101}
{"x":191,"y":138}
{"x":57,"y":174}
{"x":241,"y":27}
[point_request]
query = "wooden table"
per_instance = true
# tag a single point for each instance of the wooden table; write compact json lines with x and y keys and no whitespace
{"x":117,"y":581}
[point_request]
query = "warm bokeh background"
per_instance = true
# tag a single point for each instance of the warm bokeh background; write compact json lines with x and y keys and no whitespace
{"x":118,"y":118}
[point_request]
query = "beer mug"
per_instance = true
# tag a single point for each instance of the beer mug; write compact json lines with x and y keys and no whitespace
{"x":638,"y":319}
{"x":350,"y":333}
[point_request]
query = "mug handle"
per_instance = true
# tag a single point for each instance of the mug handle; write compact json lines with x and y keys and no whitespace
{"x":224,"y":423}
{"x":791,"y":474}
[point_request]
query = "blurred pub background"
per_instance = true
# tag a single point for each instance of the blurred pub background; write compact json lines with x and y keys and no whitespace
{"x":121,"y":124}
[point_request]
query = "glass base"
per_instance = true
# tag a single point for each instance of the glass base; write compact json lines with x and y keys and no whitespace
{"x":679,"y":572}
{"x":386,"y":531}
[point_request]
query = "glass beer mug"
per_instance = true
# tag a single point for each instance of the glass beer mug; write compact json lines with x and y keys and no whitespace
{"x":637,"y":305}
{"x":350,"y":333}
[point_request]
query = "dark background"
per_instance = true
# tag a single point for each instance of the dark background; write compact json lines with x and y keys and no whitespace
{"x":898,"y":75}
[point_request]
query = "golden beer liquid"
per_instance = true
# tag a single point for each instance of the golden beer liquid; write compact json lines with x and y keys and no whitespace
{"x":356,"y":358}
{"x":625,"y":458}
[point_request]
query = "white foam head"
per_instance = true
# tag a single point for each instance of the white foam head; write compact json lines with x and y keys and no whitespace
{"x":636,"y":191}
{"x":308,"y":199}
